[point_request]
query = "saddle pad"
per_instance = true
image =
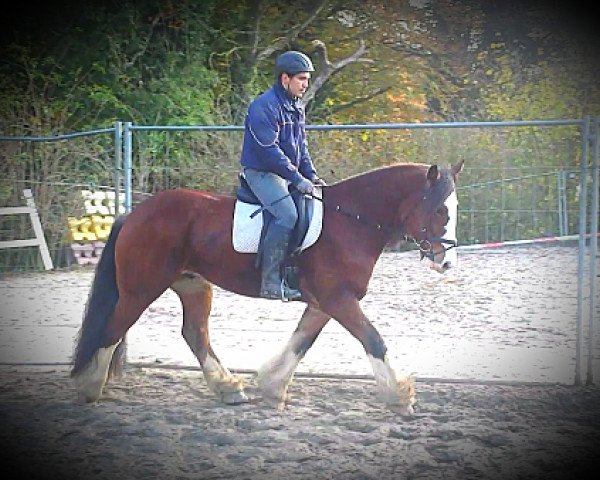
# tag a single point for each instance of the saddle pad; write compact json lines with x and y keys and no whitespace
{"x":246,"y":230}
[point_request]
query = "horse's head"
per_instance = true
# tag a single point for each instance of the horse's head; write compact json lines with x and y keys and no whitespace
{"x":432,"y":221}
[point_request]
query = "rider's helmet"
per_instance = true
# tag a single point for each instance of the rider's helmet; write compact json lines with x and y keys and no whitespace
{"x":293,"y":62}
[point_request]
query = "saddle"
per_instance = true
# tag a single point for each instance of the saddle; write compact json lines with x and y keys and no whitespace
{"x":252,"y":220}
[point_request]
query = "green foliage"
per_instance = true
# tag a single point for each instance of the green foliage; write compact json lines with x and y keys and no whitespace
{"x":162,"y":62}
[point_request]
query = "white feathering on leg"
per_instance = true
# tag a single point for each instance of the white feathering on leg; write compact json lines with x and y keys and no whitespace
{"x":90,"y":381}
{"x":275,"y":375}
{"x":397,"y":393}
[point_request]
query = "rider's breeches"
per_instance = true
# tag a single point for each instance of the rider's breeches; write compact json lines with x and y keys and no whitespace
{"x":270,"y":188}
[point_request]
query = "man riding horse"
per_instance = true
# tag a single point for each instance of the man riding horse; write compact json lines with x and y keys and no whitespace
{"x":274,"y":155}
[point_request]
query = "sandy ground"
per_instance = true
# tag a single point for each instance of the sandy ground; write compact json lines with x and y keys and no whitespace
{"x":159,"y":424}
{"x":504,"y":315}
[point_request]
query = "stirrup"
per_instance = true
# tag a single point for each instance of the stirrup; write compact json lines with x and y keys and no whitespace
{"x":289,"y":294}
{"x":292,"y":294}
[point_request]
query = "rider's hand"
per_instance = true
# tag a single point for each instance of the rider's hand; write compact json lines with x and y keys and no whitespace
{"x":319,"y":182}
{"x":305,"y":186}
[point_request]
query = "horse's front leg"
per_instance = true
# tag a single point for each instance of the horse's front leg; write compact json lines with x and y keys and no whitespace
{"x":274,"y":377}
{"x":399,"y":394}
{"x":195,"y":294}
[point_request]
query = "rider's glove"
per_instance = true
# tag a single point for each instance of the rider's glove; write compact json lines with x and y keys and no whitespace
{"x":319,"y":182}
{"x":305,"y":186}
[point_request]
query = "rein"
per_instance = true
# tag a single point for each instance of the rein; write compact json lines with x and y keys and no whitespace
{"x":338,"y":208}
{"x":425,"y":246}
{"x":355,"y":216}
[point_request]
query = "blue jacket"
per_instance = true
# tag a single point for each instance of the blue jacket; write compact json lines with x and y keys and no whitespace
{"x":275,"y":137}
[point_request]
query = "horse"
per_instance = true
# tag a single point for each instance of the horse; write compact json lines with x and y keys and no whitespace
{"x":182,"y":239}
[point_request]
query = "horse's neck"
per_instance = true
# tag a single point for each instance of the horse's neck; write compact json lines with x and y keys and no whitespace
{"x":378,"y":194}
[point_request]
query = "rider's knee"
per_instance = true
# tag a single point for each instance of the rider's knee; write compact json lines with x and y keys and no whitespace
{"x":287,"y":217}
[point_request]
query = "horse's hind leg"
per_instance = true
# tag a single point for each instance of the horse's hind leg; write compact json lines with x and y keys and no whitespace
{"x":196,"y":297}
{"x":90,"y":380}
{"x":274,"y":377}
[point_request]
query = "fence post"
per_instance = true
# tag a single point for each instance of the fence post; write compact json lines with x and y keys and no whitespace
{"x":593,"y":249}
{"x":561,"y":183}
{"x":118,"y":164}
{"x":127,"y":165}
{"x":585,"y":137}
{"x":565,"y":199}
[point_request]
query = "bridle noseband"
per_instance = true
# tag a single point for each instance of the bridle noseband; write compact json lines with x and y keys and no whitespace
{"x":426,"y":246}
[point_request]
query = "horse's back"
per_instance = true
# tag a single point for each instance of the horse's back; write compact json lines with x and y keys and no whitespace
{"x":178,"y":196}
{"x":165,"y":221}
{"x":180,"y":206}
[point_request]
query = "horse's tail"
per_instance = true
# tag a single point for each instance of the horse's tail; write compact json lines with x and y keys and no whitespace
{"x":99,"y":308}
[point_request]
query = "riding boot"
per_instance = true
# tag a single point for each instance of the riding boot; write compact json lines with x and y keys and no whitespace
{"x":274,"y":253}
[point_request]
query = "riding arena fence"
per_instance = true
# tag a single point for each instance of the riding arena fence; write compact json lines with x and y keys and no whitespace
{"x":524,"y":182}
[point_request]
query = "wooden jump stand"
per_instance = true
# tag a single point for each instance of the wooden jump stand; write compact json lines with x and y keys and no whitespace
{"x":39,"y":240}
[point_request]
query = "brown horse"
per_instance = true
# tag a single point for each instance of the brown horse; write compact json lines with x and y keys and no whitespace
{"x":182,"y":239}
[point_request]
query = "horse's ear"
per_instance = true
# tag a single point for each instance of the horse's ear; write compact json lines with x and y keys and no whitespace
{"x":433,"y":173}
{"x":456,"y":169}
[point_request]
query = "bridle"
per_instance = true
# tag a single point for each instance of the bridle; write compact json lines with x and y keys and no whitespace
{"x":426,"y":246}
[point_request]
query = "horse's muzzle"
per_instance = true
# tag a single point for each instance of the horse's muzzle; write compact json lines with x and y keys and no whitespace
{"x":440,"y":267}
{"x":427,"y":250}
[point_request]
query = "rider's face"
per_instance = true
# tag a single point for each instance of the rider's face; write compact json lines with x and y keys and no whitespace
{"x":297,"y":84}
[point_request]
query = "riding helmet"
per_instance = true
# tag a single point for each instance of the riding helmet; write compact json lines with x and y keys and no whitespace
{"x":293,"y":62}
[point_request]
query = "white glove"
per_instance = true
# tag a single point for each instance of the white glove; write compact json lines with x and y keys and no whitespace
{"x":305,"y":186}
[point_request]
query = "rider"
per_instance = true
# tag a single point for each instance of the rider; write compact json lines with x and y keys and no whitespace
{"x":275,"y":154}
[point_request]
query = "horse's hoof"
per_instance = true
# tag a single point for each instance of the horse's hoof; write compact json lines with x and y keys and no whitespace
{"x":277,"y":403}
{"x":89,"y":395}
{"x":234,"y":398}
{"x":404,"y":410}
{"x":87,"y":392}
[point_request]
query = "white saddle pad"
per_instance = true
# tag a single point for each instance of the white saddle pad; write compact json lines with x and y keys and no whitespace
{"x":246,"y":230}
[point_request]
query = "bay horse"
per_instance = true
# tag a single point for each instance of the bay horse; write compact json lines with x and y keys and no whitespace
{"x":182,"y":239}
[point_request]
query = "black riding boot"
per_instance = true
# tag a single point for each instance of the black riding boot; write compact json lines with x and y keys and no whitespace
{"x":274,"y":253}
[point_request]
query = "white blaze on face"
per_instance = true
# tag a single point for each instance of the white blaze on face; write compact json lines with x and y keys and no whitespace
{"x":451,"y":257}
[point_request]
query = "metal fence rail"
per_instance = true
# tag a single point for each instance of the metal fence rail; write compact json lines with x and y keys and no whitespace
{"x":529,"y":204}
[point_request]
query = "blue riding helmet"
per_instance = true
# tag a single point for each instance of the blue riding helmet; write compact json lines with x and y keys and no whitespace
{"x":293,"y":62}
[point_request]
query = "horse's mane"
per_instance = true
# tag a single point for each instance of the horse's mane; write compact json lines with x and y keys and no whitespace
{"x":399,"y":172}
{"x":384,"y":170}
